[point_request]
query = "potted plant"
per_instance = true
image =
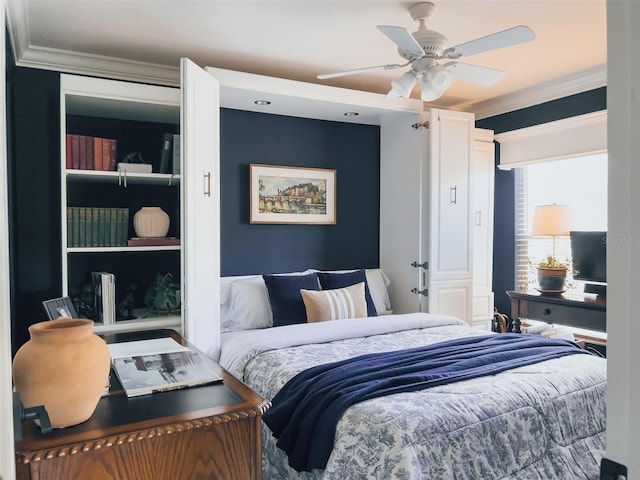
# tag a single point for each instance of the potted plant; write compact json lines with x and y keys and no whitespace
{"x":163,"y":295}
{"x":552,"y":274}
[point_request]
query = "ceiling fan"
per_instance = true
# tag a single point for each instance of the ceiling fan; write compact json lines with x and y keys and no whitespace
{"x":424,"y":49}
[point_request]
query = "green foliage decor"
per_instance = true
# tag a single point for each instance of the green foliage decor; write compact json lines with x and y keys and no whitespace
{"x":552,"y":262}
{"x":163,"y":295}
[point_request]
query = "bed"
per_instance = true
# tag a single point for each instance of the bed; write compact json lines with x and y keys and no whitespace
{"x":545,"y":420}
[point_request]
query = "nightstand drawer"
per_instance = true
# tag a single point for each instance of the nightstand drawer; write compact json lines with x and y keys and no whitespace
{"x":567,"y":315}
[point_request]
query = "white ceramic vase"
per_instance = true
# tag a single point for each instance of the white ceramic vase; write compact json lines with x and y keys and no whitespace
{"x":151,"y":222}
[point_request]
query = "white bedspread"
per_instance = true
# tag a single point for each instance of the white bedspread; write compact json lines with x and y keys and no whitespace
{"x":543,"y":421}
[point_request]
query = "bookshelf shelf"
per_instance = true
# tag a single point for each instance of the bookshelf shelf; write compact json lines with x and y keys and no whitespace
{"x":123,"y":249}
{"x":150,"y":323}
{"x":119,"y":178}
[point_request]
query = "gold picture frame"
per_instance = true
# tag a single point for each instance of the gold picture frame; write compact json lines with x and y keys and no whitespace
{"x":289,"y":195}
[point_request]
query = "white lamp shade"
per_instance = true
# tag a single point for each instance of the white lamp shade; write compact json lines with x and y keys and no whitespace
{"x":404,"y":85}
{"x":552,"y":220}
{"x":429,"y":92}
{"x":440,"y":78}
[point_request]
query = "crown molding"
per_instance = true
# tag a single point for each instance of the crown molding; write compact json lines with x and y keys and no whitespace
{"x":65,"y":61}
{"x":575,"y":83}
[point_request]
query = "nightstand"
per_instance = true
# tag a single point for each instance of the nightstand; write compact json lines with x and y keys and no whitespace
{"x":209,"y":431}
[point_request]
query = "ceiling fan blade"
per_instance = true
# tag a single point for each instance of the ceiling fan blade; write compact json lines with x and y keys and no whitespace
{"x":506,"y":38}
{"x":392,"y":66}
{"x":403,"y":39}
{"x":473,"y":73}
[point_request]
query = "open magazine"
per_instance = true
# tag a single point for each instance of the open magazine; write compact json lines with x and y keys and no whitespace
{"x":158,"y":365}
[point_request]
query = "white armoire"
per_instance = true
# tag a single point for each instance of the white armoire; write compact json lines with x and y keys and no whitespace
{"x":436,"y":216}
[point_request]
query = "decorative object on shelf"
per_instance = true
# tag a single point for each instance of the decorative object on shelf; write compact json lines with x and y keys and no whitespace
{"x":151,"y":222}
{"x":125,"y":307}
{"x":163,"y":296}
{"x":292,"y":195}
{"x":134,"y":162}
{"x":82,"y":299}
{"x":60,"y":307}
{"x":65,"y":367}
{"x":552,"y":221}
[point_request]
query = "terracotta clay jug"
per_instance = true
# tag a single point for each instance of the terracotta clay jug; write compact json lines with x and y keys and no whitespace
{"x":65,"y":367}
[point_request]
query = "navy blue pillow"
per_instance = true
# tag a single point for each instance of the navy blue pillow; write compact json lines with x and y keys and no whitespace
{"x":331,"y":281}
{"x":285,"y":298}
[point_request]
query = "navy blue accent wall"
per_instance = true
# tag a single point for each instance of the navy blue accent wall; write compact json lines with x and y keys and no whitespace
{"x":352,"y":150}
{"x":504,"y":226}
{"x":34,"y":194}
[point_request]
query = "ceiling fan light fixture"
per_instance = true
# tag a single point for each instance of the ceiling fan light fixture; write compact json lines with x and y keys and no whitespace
{"x":430,"y":92}
{"x":404,"y":85}
{"x":439,"y":77}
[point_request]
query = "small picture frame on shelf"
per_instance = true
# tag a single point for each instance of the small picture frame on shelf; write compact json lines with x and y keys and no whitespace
{"x":59,"y":307}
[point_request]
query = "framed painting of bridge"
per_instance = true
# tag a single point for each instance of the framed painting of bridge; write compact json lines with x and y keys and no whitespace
{"x":292,"y":195}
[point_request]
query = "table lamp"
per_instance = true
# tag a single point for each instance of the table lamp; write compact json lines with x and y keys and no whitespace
{"x":552,"y":221}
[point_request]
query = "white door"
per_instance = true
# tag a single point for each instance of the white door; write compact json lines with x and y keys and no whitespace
{"x":200,"y":154}
{"x":450,"y":160}
{"x":623,"y":253}
{"x":401,"y":190}
{"x":483,"y":180}
{"x":450,"y":283}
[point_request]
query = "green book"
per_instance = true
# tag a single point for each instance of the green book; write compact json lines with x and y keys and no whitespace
{"x":75,"y":242}
{"x":95,"y":226}
{"x":125,"y":227}
{"x":82,"y":226}
{"x":113,"y":228}
{"x":69,"y":226}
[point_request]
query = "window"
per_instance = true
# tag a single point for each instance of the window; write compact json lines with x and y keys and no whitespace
{"x":580,"y":182}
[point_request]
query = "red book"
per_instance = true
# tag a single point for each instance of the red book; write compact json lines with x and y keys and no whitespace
{"x":152,"y":242}
{"x":114,"y":154}
{"x":83,"y":152}
{"x":106,"y":154}
{"x":89,"y":153}
{"x":68,"y":159}
{"x":75,"y":151}
{"x":97,"y":153}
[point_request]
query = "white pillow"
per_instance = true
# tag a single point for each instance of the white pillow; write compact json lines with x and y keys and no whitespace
{"x":244,"y":302}
{"x":378,"y":283}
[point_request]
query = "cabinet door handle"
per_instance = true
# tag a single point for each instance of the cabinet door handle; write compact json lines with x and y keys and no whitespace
{"x":479,"y":218}
{"x":207,"y":184}
{"x":453,"y":195}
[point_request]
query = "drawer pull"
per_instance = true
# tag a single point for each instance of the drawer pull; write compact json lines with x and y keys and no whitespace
{"x":546,"y":311}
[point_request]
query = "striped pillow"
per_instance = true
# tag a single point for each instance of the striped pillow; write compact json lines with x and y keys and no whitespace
{"x":348,"y":302}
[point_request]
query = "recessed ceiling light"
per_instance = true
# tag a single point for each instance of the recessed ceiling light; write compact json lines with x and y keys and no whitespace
{"x":262,"y":102}
{"x":351,"y":114}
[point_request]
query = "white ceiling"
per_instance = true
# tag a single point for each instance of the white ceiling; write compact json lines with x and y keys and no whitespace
{"x":144,"y":40}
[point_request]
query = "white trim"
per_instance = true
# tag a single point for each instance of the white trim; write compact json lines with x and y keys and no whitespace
{"x":571,"y":137}
{"x":579,"y":82}
{"x":7,"y":458}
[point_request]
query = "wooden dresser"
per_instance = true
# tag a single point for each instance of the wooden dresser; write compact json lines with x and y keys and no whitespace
{"x":204,"y":432}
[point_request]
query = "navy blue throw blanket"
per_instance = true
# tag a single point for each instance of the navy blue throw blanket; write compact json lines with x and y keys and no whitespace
{"x":305,"y":412}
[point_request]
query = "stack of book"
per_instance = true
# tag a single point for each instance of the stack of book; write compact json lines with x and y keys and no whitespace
{"x":91,"y":153}
{"x":97,"y":227}
{"x":104,"y":297}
